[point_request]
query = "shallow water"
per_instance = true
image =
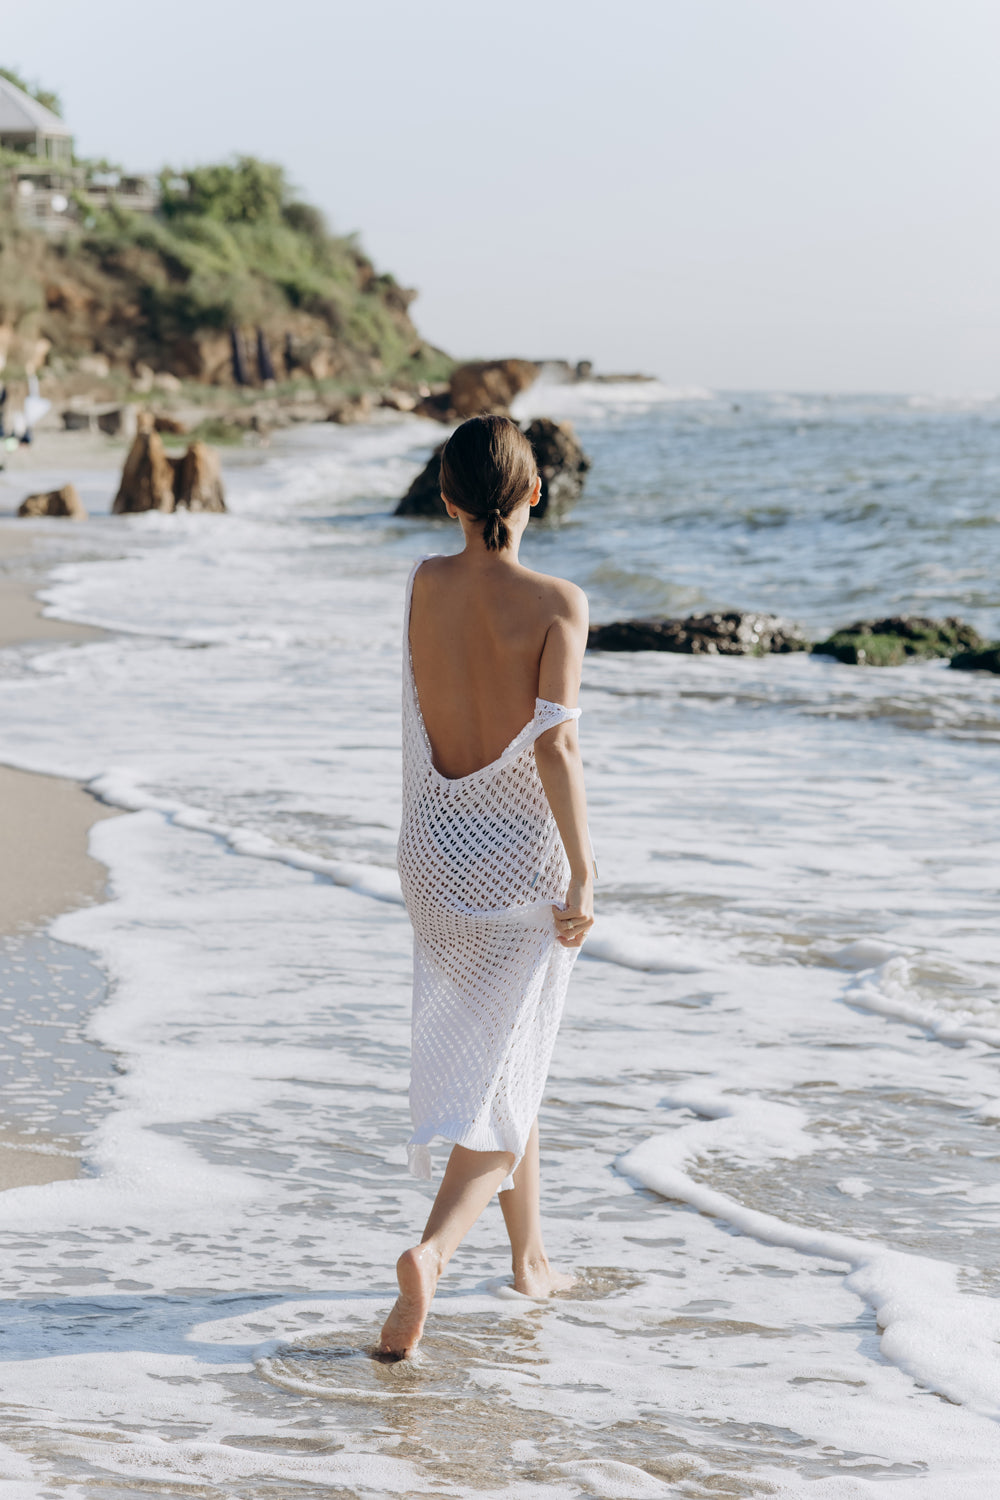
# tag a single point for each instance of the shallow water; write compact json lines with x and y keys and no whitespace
{"x":769,"y":1135}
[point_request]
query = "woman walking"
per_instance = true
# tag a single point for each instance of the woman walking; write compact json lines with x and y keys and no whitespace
{"x":494,"y":858}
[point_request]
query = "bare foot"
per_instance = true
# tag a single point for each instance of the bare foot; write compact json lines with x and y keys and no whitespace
{"x":536,"y":1278}
{"x":417,"y":1275}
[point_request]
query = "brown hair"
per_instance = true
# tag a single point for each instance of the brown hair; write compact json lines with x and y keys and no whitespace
{"x":487,"y":469}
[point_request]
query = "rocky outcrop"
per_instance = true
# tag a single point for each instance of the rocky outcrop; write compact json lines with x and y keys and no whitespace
{"x":152,"y":481}
{"x":899,"y":638}
{"x":485,"y":387}
{"x":147,"y":481}
{"x":198,"y":480}
{"x":423,"y":498}
{"x":489,"y":386}
{"x":63,"y":502}
{"x":561,"y":461}
{"x":987,"y":660}
{"x":729,"y":634}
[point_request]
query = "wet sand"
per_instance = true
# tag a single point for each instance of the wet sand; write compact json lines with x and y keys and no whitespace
{"x":44,"y":826}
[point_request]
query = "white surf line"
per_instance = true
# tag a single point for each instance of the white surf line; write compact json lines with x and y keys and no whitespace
{"x":886,"y":991}
{"x":120,"y":789}
{"x":945,"y":1339}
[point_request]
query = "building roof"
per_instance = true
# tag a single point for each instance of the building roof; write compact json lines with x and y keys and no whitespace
{"x":22,"y":115}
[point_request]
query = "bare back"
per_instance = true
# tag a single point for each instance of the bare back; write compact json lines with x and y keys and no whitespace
{"x":487,"y":638}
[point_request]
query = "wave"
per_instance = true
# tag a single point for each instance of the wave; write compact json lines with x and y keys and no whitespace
{"x":942,"y":1337}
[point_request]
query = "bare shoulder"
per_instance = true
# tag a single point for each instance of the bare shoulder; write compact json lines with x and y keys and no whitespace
{"x":562,"y":600}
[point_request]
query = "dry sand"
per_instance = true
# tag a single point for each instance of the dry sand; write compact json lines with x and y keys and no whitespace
{"x":45,"y":868}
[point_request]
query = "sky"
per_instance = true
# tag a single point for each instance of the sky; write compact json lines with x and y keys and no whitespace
{"x":733,"y":194}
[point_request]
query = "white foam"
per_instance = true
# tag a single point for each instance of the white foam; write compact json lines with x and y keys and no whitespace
{"x":944,"y":1338}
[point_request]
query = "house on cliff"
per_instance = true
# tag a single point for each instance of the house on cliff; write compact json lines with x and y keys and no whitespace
{"x":48,"y":188}
{"x":28,"y":128}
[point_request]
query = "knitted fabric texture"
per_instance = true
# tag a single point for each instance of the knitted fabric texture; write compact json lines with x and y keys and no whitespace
{"x":480,"y":863}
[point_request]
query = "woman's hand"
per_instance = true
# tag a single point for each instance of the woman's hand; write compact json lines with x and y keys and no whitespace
{"x":576,"y":918}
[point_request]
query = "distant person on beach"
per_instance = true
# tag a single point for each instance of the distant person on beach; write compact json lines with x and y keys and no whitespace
{"x":494,"y":858}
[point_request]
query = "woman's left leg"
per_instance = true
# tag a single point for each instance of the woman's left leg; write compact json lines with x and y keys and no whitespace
{"x":470,"y":1180}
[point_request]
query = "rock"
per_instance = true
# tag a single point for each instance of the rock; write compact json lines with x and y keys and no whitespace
{"x":899,"y":638}
{"x":436,"y":404}
{"x":64,"y":502}
{"x":584,"y":369}
{"x":987,"y":660}
{"x":171,"y":425}
{"x":423,"y":498}
{"x":489,"y":386}
{"x":164,"y":381}
{"x":351,"y":409}
{"x":147,"y":481}
{"x":729,"y":634}
{"x":198,"y":480}
{"x":119,"y":421}
{"x":561,"y":462}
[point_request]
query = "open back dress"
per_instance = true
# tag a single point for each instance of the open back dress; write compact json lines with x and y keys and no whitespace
{"x":480,"y":863}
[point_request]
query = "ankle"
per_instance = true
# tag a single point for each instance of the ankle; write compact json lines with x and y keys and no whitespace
{"x":532,"y":1260}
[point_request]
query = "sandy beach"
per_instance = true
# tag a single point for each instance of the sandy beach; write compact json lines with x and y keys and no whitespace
{"x":45,"y":823}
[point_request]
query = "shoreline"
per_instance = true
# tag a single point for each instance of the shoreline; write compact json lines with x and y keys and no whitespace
{"x":46,"y":823}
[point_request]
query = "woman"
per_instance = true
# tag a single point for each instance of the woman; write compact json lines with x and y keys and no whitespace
{"x":494,"y":858}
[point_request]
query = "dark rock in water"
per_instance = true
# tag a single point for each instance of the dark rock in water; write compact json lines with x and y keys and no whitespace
{"x":899,"y":638}
{"x":561,"y":462}
{"x":977,"y":661}
{"x":423,"y":498}
{"x":729,"y":634}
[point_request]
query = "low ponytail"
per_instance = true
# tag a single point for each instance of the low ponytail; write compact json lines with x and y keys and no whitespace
{"x":496,"y":534}
{"x":487,"y":470}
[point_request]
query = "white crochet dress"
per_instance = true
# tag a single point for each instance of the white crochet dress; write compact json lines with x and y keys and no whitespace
{"x":480,"y":862}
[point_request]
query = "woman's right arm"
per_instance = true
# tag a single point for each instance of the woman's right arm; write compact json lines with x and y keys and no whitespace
{"x":560,"y":767}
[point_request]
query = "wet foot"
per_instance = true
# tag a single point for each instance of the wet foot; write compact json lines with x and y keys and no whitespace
{"x":537,"y":1279}
{"x":417,"y":1276}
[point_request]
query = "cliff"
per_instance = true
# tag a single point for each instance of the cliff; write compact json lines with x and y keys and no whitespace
{"x":230,"y":263}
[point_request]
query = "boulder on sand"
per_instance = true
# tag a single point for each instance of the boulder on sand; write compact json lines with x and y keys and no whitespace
{"x":561,"y":461}
{"x":198,"y":480}
{"x":63,"y":502}
{"x":899,"y":638}
{"x":731,"y":634}
{"x":147,"y":481}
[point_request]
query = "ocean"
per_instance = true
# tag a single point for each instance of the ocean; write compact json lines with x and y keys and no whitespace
{"x":769,"y":1137}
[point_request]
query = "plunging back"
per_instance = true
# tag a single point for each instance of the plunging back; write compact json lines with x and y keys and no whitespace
{"x":475,"y":645}
{"x":480,"y":862}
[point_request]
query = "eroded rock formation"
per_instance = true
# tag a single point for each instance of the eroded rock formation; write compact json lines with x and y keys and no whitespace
{"x":153,"y":481}
{"x":198,"y":480}
{"x":147,"y":481}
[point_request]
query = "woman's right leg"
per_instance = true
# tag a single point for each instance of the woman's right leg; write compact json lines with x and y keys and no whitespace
{"x":470,"y":1180}
{"x":522,"y":1214}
